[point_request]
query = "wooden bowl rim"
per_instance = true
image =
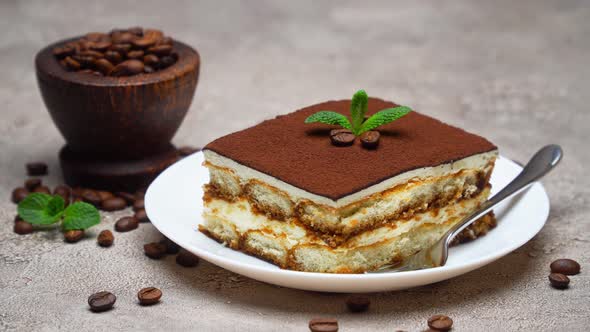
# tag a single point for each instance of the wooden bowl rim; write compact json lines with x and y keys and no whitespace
{"x":48,"y":66}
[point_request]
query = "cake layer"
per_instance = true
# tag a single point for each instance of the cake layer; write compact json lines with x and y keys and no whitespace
{"x":301,"y":155}
{"x":401,"y":196}
{"x":292,"y":245}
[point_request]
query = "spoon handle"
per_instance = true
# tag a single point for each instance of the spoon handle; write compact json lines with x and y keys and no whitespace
{"x":542,"y":162}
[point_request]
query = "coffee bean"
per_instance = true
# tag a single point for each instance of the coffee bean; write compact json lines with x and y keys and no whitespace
{"x":138,"y":31}
{"x":160,"y":50}
{"x":36,"y":169}
{"x":165,"y":41}
{"x":105,"y":238}
{"x":565,"y":266}
{"x":154,"y":250}
{"x":63,"y":191}
{"x":149,"y":295}
{"x":370,"y":139}
{"x":114,"y":204}
{"x":23,"y":227}
{"x":141,"y":216}
{"x":113,"y":56}
{"x":137,"y":54}
{"x":104,"y":195}
{"x":151,"y":60}
{"x":121,"y":48}
{"x":559,"y":281}
{"x":129,"y":198}
{"x":167,"y":61}
{"x":18,"y":194}
{"x":323,"y":325}
{"x":440,"y":322}
{"x":63,"y":51}
{"x":96,"y":36}
{"x":139,"y":195}
{"x":73,"y":236}
{"x":101,"y":301}
{"x":138,"y":205}
{"x":123,"y":37}
{"x":101,"y":46}
{"x":358,"y":303}
{"x":171,"y":247}
{"x":17,"y":218}
{"x":31,"y":184}
{"x":92,"y":54}
{"x":72,"y":64}
{"x":77,"y":191}
{"x":91,"y":196}
{"x":104,"y":66}
{"x":42,"y":189}
{"x":187,"y":259}
{"x":148,"y":69}
{"x":187,"y":150}
{"x":144,"y":42}
{"x":127,"y":68}
{"x":342,"y":137}
{"x":126,"y":224}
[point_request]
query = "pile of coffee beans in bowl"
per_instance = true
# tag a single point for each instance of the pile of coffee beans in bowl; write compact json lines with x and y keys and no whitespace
{"x":122,"y":52}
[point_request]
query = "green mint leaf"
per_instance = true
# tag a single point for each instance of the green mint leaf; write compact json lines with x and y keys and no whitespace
{"x":329,"y":117}
{"x":41,"y":209}
{"x":358,"y":108}
{"x":384,"y":117}
{"x":81,"y":216}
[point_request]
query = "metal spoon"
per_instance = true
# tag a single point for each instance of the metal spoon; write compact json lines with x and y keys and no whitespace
{"x":542,"y":162}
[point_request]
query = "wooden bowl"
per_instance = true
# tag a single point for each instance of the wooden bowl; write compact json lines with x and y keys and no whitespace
{"x":119,"y":119}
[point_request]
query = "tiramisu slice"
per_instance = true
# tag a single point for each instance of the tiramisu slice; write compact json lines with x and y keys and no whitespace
{"x":282,"y":191}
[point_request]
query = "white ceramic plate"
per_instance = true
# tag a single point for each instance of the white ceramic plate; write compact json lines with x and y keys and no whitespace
{"x":173,"y":204}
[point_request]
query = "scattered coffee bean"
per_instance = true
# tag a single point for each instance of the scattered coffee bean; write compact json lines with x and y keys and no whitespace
{"x":440,"y":323}
{"x":73,"y":236}
{"x":370,"y":139}
{"x":138,"y":205}
{"x":187,"y":150}
{"x":105,"y":238}
{"x":114,"y":204}
{"x":33,"y":183}
{"x":186,"y":259}
{"x":91,"y":196}
{"x":101,"y":301}
{"x":171,"y":247}
{"x":36,"y":169}
{"x":104,"y":195}
{"x":342,"y":137}
{"x":141,"y":216}
{"x":323,"y":325}
{"x":126,"y":224}
{"x":149,"y":295}
{"x":42,"y":189}
{"x":358,"y":303}
{"x":559,"y":281}
{"x":23,"y":227}
{"x":565,"y":266}
{"x":18,"y":194}
{"x":63,"y":191}
{"x":127,"y":68}
{"x":154,"y":250}
{"x":129,"y":198}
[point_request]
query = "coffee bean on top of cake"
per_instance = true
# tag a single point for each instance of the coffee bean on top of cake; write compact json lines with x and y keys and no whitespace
{"x":121,"y":52}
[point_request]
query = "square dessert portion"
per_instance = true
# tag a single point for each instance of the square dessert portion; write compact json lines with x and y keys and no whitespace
{"x":282,"y":192}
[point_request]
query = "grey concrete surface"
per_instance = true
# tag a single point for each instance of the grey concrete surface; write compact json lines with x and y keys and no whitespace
{"x":517,"y":72}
